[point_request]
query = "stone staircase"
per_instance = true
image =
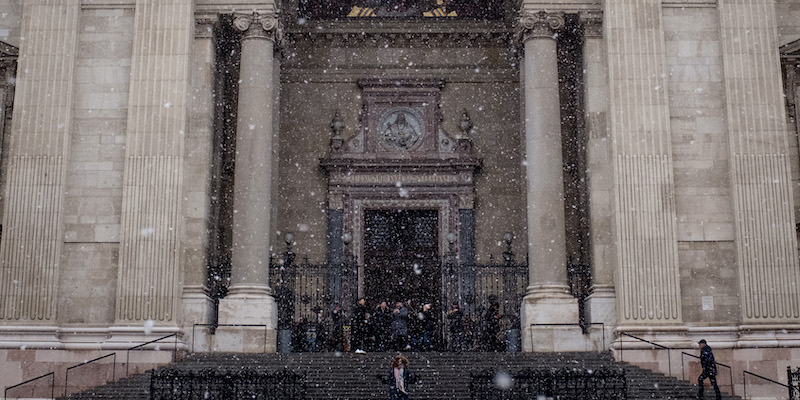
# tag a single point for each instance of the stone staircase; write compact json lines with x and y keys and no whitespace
{"x":440,"y":375}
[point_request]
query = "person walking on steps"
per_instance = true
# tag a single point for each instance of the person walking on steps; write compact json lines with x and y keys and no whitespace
{"x":709,"y":370}
{"x":399,"y":378}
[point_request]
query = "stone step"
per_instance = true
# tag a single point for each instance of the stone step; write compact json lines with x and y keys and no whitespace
{"x":441,"y":375}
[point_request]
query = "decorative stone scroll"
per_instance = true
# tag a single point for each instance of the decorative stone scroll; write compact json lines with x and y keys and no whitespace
{"x":540,"y":25}
{"x":256,"y":25}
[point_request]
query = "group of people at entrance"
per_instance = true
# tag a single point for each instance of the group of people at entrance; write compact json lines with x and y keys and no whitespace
{"x":400,"y":328}
{"x":396,"y":328}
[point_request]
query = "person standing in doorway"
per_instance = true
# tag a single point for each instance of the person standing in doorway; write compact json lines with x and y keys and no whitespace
{"x":456,"y":319}
{"x":400,"y":327}
{"x":428,"y":327}
{"x":381,"y":323}
{"x":360,"y":324}
{"x":492,"y":320}
{"x":709,"y":370}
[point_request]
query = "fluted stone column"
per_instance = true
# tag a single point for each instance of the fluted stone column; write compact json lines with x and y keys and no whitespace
{"x":601,"y":303}
{"x":198,"y":307}
{"x":250,"y":298}
{"x":37,"y":151}
{"x":761,"y":172}
{"x":547,"y":298}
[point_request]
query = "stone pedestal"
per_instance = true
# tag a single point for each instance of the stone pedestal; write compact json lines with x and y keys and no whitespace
{"x":248,"y":322}
{"x":549,"y":321}
{"x":601,"y":307}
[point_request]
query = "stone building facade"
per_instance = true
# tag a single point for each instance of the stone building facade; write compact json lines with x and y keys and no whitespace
{"x":155,"y":148}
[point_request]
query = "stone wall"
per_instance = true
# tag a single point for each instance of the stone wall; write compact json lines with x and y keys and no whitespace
{"x":319,"y":79}
{"x":23,"y":364}
{"x":10,"y":19}
{"x":94,"y":189}
{"x":788,"y":19}
{"x":704,"y":206}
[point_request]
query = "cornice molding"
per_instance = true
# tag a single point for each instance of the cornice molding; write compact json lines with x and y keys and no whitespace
{"x":264,"y":7}
{"x":402,"y":33}
{"x":592,"y":23}
{"x":204,"y":26}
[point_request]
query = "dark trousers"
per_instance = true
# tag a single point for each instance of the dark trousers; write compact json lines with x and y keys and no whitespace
{"x":713,"y":379}
{"x":395,"y":394}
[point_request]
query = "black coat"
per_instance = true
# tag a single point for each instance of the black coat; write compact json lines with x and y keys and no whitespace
{"x":456,"y":321}
{"x":707,"y":361}
{"x":360,"y":318}
{"x":382,"y":320}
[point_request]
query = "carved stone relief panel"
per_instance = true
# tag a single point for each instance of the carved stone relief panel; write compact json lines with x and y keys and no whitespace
{"x":400,"y":158}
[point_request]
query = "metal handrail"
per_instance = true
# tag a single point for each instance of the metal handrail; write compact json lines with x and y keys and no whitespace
{"x":602,"y":325}
{"x":744,"y":381}
{"x":232,"y":325}
{"x":668,"y":349}
{"x":52,"y":384}
{"x":128,"y":352}
{"x":113,"y":369}
{"x":730,"y":369}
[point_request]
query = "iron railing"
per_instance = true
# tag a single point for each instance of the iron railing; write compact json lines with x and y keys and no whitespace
{"x":305,"y":299}
{"x":212,"y":384}
{"x":745,"y":374}
{"x":793,"y":378}
{"x":141,"y":346}
{"x":669,"y":358}
{"x":562,"y":383}
{"x":113,"y":369}
{"x":33,"y":393}
{"x":668,"y":349}
{"x":719,"y":364}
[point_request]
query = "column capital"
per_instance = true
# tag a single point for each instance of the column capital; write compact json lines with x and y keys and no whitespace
{"x":592,"y":23}
{"x":541,"y":24}
{"x":257,"y":25}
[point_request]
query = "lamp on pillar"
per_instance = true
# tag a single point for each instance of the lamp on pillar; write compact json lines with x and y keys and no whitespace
{"x":508,"y":255}
{"x":289,"y":256}
{"x":347,"y":276}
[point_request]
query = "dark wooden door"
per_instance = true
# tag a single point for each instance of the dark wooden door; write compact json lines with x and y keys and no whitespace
{"x":401,"y":257}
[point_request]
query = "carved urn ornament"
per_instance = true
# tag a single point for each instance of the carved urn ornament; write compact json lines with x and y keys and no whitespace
{"x":337,"y":126}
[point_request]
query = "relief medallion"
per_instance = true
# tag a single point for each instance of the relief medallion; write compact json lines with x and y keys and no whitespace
{"x":400,"y":128}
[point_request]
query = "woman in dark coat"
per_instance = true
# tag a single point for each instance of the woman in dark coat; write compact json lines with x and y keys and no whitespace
{"x":399,"y":377}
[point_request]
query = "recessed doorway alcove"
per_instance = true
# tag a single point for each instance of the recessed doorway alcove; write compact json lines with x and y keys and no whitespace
{"x":398,"y":169}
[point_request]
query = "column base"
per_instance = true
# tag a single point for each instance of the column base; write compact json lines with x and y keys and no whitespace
{"x":248,"y":321}
{"x":601,"y":306}
{"x":549,"y":320}
{"x":198,"y":308}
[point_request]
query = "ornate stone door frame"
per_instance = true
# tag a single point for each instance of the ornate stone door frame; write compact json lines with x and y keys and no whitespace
{"x":400,"y":158}
{"x":354,"y":222}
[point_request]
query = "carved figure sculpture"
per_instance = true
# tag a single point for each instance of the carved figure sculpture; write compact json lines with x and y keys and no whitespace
{"x":400,"y":133}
